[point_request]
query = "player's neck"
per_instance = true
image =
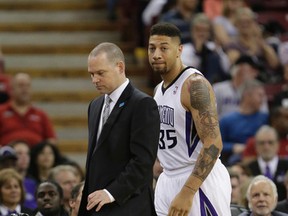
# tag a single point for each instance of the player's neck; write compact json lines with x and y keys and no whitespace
{"x":172,"y":74}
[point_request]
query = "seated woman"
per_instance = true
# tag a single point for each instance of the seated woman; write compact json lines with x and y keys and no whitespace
{"x":11,"y":193}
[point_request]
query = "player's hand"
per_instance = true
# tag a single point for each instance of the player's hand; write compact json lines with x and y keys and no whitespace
{"x":99,"y":198}
{"x":182,"y":203}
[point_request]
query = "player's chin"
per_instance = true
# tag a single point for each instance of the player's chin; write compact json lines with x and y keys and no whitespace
{"x":160,"y":70}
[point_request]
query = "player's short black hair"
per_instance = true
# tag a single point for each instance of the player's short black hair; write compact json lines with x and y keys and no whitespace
{"x":166,"y":29}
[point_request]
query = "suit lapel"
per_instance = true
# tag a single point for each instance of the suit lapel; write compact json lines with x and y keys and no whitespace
{"x":95,"y":115}
{"x":119,"y":106}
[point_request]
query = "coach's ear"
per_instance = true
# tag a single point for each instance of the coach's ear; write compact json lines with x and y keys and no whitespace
{"x":121,"y":67}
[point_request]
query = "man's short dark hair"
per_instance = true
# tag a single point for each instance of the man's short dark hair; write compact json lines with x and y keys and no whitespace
{"x":166,"y":29}
{"x":58,"y":187}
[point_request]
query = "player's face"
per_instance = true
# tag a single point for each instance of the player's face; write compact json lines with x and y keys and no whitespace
{"x":105,"y":74}
{"x":163,"y":52}
{"x":262,"y":200}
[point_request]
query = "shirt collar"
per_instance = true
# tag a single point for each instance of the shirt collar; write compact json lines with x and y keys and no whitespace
{"x":115,"y":95}
{"x":272,"y":164}
{"x":4,"y":210}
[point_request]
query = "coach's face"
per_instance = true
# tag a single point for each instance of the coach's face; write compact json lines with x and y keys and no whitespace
{"x":106,"y":75}
{"x":163,"y":52}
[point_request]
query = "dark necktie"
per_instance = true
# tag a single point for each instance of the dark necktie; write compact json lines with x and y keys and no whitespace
{"x":268,"y":173}
{"x":106,"y":110}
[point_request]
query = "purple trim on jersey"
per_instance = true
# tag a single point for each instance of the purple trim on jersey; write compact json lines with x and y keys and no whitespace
{"x":191,"y":134}
{"x":206,"y":207}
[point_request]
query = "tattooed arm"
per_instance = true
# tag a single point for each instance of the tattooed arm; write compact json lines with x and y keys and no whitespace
{"x":197,"y":97}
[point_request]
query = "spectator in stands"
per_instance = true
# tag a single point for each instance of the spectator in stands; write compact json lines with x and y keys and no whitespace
{"x":44,"y":156}
{"x":283,"y":56}
{"x":280,"y":97}
{"x":238,"y":126}
{"x":152,"y":11}
{"x":202,"y":53}
{"x":8,"y":157}
{"x":80,"y":172}
{"x":181,"y":16}
{"x":22,"y":151}
{"x":49,"y":199}
{"x":241,"y":170}
{"x":19,"y":119}
{"x":224,"y":24}
{"x":2,"y":68}
{"x":5,"y":80}
{"x":11,"y":193}
{"x":227,"y":92}
{"x":111,"y":8}
{"x":278,"y":121}
{"x":212,"y":8}
{"x":236,"y":205}
{"x":250,"y":41}
{"x":5,"y":87}
{"x":66,"y":177}
{"x":75,"y":200}
{"x":235,"y":183}
{"x":262,"y":197}
{"x":268,"y":162}
{"x":282,"y":205}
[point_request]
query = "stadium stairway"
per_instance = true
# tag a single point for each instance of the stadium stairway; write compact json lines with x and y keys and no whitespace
{"x":50,"y":40}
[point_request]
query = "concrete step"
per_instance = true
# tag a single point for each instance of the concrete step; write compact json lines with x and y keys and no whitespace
{"x":28,"y":16}
{"x":70,"y":121}
{"x":60,"y":48}
{"x":51,"y":4}
{"x":79,"y":157}
{"x":75,"y":85}
{"x":101,"y":25}
{"x":131,"y":70}
{"x":50,"y":61}
{"x":73,"y":146}
{"x":56,"y":38}
{"x":60,"y":96}
{"x":63,"y":84}
{"x":72,"y":133}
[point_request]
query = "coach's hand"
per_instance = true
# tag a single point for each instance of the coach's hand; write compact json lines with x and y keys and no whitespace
{"x":99,"y":198}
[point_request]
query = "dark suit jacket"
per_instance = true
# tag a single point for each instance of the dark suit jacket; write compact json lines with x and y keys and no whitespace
{"x":282,"y":206}
{"x":122,"y":159}
{"x":278,"y":179}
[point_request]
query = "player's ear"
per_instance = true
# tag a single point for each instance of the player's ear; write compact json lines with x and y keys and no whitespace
{"x":180,"y":48}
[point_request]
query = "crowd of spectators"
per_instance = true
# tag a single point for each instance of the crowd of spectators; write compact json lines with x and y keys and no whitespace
{"x":244,"y":55}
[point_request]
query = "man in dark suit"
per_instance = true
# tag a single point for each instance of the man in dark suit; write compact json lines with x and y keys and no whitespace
{"x":268,"y":162}
{"x":123,"y":148}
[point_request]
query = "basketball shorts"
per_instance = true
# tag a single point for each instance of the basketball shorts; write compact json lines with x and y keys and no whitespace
{"x":212,"y":199}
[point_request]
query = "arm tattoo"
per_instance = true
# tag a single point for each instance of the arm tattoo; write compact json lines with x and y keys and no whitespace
{"x":206,"y":162}
{"x":200,"y":100}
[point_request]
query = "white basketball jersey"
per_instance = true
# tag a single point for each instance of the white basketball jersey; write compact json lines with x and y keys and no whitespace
{"x":179,"y":144}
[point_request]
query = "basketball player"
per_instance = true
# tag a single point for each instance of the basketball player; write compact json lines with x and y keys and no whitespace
{"x":193,"y":181}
